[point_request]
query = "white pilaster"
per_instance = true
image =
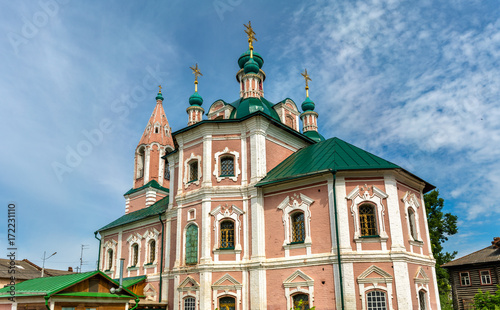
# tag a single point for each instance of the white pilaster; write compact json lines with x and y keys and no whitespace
{"x":179,"y":237}
{"x":118,"y":255}
{"x":403,"y":289}
{"x":146,"y":164}
{"x":349,"y":286}
{"x":394,"y":214}
{"x":206,"y":205}
{"x":207,"y":161}
{"x":205,"y":290}
{"x":342,"y":214}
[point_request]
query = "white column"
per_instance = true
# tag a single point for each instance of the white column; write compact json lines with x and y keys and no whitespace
{"x":179,"y":237}
{"x":394,"y":214}
{"x":206,"y":243}
{"x":146,"y":164}
{"x":118,"y":255}
{"x":343,"y":215}
{"x":349,"y":286}
{"x":258,"y":151}
{"x":180,"y":184}
{"x":207,"y":161}
{"x":244,"y":175}
{"x":206,"y":290}
{"x":402,"y":284}
{"x":258,"y":287}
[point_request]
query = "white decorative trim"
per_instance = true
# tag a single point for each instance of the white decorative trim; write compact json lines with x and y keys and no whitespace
{"x":421,"y":277}
{"x":357,"y":198}
{"x":191,"y":214}
{"x":293,"y":287}
{"x":183,"y":287}
{"x":221,"y":213}
{"x":133,"y":239}
{"x":236,"y":157}
{"x":184,"y":242}
{"x":187,"y":170}
{"x":150,"y":292}
{"x":289,"y":206}
{"x":234,"y":286}
{"x":421,"y":281}
{"x":377,"y":283}
{"x":410,"y":200}
{"x":151,"y":235}
{"x":109,"y":245}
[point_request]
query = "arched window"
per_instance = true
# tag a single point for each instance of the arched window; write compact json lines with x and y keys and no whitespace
{"x":376,"y":300}
{"x":140,"y":162}
{"x":135,"y":254}
{"x":227,"y":235}
{"x":227,"y":166}
{"x":192,"y":244}
{"x":189,"y":303}
{"x":367,"y":220}
{"x":422,"y":300}
{"x":301,"y":301}
{"x":167,"y":171}
{"x":298,"y":228}
{"x":110,"y":259}
{"x":193,"y":171}
{"x":227,"y":303}
{"x":413,"y":228}
{"x":152,"y":251}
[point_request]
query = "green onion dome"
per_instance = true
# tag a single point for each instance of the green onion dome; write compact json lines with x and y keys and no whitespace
{"x":251,"y":66}
{"x":159,"y":96}
{"x":308,"y":105}
{"x":246,"y":56}
{"x":195,"y":99}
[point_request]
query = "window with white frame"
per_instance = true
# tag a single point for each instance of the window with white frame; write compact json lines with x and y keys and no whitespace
{"x":141,"y":159}
{"x":367,"y":220}
{"x":485,"y":277}
{"x":110,"y":259}
{"x":411,"y":212}
{"x":226,"y":165}
{"x":192,"y":170}
{"x":152,"y":252}
{"x":135,"y":255}
{"x":226,"y":235}
{"x":227,"y":228}
{"x":299,"y":287}
{"x":189,"y":303}
{"x":422,"y":300}
{"x":134,"y":252}
{"x":411,"y":223}
{"x":376,"y":300}
{"x":109,"y":251}
{"x":296,"y":221}
{"x":464,"y":279}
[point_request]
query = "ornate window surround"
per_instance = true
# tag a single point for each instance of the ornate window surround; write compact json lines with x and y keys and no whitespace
{"x":411,"y":201}
{"x":109,"y":245}
{"x":189,"y":287}
{"x":220,"y":214}
{"x":292,"y":287}
{"x":187,"y":169}
{"x":151,"y":235}
{"x":357,"y":199}
{"x":367,"y":284}
{"x":134,"y":239}
{"x":220,"y":290}
{"x":421,"y":281}
{"x":290,"y":205}
{"x":218,"y":157}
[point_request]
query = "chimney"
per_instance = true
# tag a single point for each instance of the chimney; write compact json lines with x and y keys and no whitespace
{"x":496,"y":242}
{"x":70,"y":269}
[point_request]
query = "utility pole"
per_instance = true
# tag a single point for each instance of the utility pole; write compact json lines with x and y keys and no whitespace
{"x":84,"y":247}
{"x":44,"y":259}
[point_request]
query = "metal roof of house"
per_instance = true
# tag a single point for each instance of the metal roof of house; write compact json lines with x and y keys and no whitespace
{"x":128,"y":282}
{"x":53,"y":285}
{"x":157,"y":208}
{"x":26,"y":270}
{"x":489,"y":254}
{"x":331,"y":155}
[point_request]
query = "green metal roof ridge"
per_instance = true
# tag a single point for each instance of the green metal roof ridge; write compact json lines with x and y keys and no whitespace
{"x":332,"y":155}
{"x":157,"y":208}
{"x":93,"y":294}
{"x":152,"y":183}
{"x":128,"y":282}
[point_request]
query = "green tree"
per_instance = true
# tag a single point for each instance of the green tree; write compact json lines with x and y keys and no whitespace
{"x":487,"y":301}
{"x":441,"y":225}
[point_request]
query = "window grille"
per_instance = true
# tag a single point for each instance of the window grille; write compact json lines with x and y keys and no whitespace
{"x":192,"y":244}
{"x":367,"y":220}
{"x":152,"y":251}
{"x":227,"y":235}
{"x":193,"y":171}
{"x":298,"y":228}
{"x":301,"y":301}
{"x":135,"y":254}
{"x":227,"y":166}
{"x":227,"y":303}
{"x":189,"y":303}
{"x":376,"y":300}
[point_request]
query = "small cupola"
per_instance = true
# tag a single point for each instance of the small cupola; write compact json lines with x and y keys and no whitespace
{"x":195,"y":111}
{"x":309,"y":117}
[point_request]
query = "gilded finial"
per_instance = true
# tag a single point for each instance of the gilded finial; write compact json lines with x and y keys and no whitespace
{"x":251,"y":37}
{"x":307,"y":78}
{"x":196,"y":73}
{"x":159,"y":86}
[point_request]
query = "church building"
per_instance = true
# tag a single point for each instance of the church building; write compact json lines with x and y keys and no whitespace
{"x":243,"y":210}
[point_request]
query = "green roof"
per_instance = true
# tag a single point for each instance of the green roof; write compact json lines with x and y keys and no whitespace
{"x":128,"y":282}
{"x":52,"y":285}
{"x":157,"y":208}
{"x":331,"y":155}
{"x":247,"y":106}
{"x":152,"y":183}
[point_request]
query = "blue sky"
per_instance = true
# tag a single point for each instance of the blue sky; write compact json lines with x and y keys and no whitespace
{"x":417,"y":83}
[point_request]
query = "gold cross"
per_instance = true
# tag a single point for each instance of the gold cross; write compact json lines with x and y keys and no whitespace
{"x":160,"y":88}
{"x":196,"y":73}
{"x":251,"y":34}
{"x":307,"y":78}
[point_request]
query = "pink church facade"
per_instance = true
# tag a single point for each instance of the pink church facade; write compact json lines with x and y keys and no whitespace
{"x":243,"y":211}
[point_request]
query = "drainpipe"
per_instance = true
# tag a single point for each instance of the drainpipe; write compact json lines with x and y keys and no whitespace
{"x":47,"y":301}
{"x":136,"y":303}
{"x":98,"y":257}
{"x":161,"y":254}
{"x":338,"y":240}
{"x":120,"y":287}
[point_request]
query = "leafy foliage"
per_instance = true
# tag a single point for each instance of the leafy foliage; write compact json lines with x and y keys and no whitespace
{"x":487,"y":301}
{"x":441,"y":225}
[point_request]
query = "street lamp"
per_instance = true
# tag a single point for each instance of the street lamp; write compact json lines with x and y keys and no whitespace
{"x":44,"y":259}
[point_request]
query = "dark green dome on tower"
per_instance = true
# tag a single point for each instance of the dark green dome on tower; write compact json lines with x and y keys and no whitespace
{"x":308,"y":105}
{"x":251,"y":66}
{"x":195,"y":99}
{"x":246,"y":56}
{"x":244,"y":107}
